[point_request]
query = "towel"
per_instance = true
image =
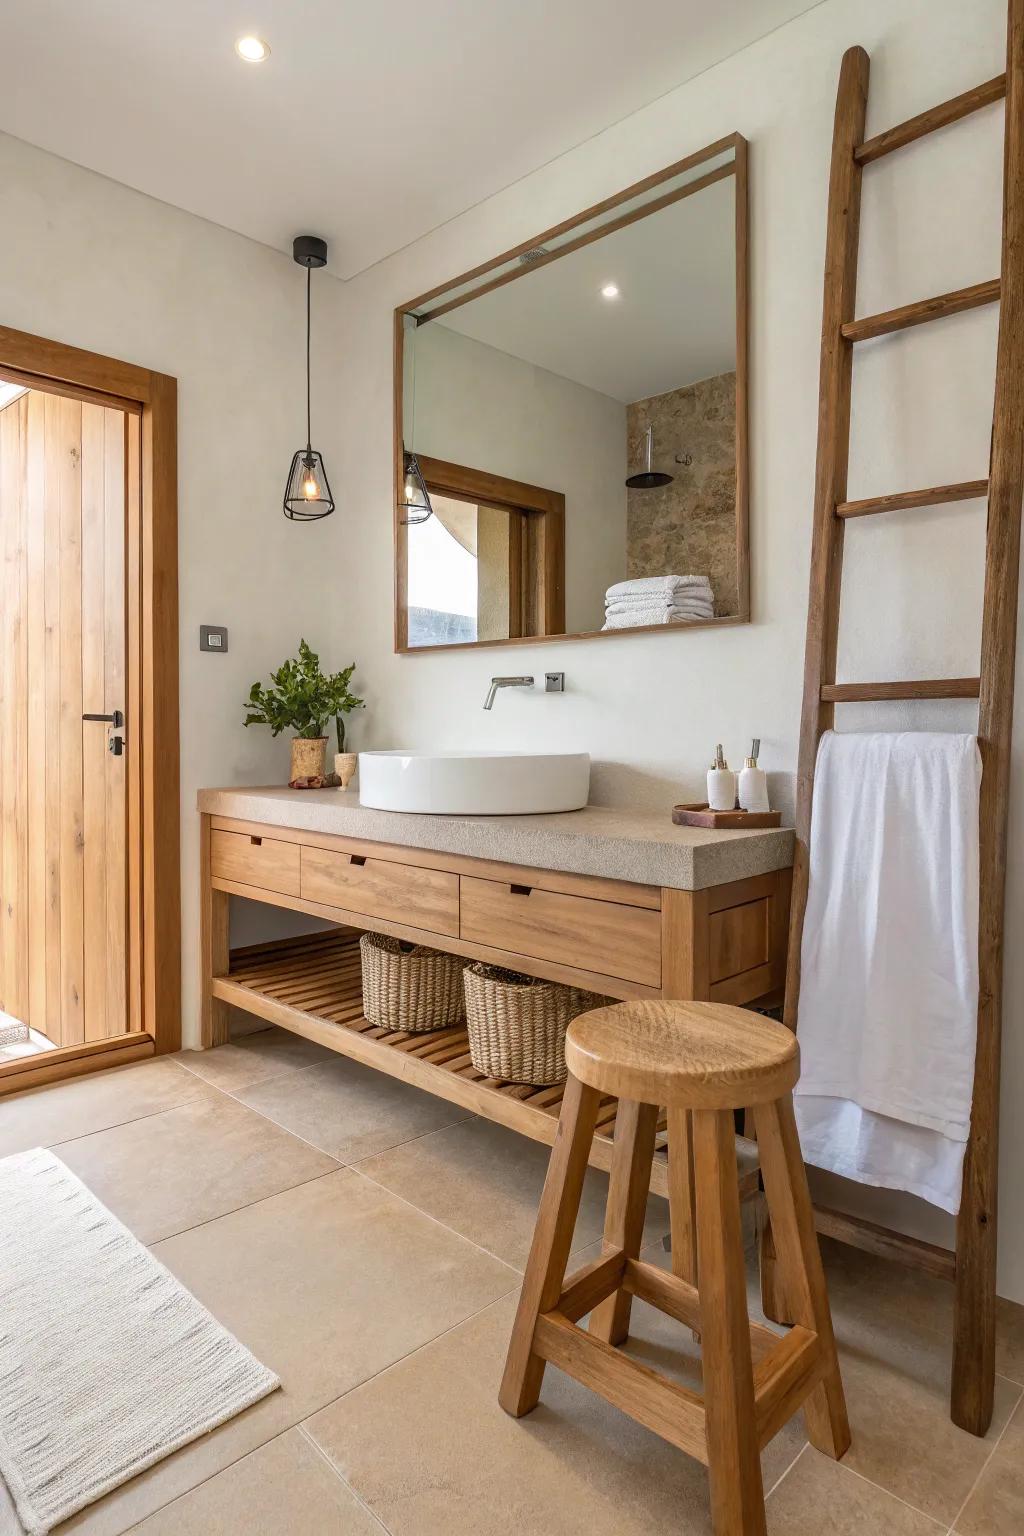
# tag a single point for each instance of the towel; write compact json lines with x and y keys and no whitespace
{"x":635,"y":617}
{"x":889,"y":964}
{"x":701,"y":604}
{"x":646,"y":586}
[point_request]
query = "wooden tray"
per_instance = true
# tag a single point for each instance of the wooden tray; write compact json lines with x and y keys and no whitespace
{"x":704,"y":816}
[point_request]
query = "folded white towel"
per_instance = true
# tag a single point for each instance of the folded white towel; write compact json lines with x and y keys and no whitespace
{"x":700,"y":604}
{"x":889,"y":964}
{"x":649,"y":585}
{"x":639,"y":616}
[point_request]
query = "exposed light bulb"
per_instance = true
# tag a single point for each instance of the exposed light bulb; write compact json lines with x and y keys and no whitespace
{"x":610,"y":291}
{"x":252,"y":49}
{"x":410,"y":493}
{"x":310,"y":488}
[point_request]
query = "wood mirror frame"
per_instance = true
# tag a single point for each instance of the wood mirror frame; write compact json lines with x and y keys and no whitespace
{"x":737,"y":169}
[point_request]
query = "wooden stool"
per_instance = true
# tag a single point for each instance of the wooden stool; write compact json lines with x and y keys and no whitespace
{"x":702,"y":1061}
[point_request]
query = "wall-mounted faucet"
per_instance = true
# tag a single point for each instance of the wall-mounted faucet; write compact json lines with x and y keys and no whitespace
{"x":505,"y":682}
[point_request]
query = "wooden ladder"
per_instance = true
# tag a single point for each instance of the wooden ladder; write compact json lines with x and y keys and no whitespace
{"x":973,"y":1264}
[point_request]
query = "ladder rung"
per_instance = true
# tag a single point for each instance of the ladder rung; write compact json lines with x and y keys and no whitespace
{"x":927,"y":122}
{"x":932,"y":496}
{"x":921,"y":688}
{"x":921,"y":310}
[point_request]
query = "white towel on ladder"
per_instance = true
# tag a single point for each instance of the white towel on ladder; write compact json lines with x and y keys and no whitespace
{"x":889,"y":965}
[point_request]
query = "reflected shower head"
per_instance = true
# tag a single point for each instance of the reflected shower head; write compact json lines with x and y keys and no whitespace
{"x":648,"y":478}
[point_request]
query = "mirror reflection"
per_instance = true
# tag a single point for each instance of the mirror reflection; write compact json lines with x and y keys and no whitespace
{"x":572,"y":421}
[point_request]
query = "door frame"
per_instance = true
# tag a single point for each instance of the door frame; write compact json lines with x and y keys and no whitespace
{"x":154,"y":860}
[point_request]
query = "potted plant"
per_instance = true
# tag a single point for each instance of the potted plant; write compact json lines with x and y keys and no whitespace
{"x":302,"y":699}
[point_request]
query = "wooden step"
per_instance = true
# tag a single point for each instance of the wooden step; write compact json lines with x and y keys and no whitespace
{"x":915,"y":688}
{"x":926,"y":122}
{"x":931,"y":496}
{"x":921,"y":311}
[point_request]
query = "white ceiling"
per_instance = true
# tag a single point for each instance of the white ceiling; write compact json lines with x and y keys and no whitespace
{"x":370,"y":123}
{"x":673,"y":323}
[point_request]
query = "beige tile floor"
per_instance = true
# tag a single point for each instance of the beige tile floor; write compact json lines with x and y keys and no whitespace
{"x":366,"y":1242}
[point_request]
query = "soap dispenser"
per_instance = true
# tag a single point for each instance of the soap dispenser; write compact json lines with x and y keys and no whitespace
{"x":721,"y":784}
{"x":753,"y":782}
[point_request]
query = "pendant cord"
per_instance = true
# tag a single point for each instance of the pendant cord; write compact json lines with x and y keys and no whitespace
{"x":309,"y":434}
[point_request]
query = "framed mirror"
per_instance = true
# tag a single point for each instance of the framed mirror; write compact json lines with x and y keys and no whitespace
{"x":571,"y":425}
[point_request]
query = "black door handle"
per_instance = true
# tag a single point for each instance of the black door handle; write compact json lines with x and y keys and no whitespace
{"x":116,"y":719}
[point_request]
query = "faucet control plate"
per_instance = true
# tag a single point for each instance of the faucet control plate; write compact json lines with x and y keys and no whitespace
{"x":554,"y":682}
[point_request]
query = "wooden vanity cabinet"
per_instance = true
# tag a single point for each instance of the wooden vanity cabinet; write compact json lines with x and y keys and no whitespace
{"x":726,"y":943}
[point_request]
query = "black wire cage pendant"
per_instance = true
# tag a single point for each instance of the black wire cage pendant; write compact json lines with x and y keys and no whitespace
{"x":415,"y":501}
{"x":307,"y":493}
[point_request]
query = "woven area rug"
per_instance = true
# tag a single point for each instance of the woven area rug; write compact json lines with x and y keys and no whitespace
{"x":107,"y":1363}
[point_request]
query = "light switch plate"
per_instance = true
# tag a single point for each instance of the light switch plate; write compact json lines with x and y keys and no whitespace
{"x":213,"y":637}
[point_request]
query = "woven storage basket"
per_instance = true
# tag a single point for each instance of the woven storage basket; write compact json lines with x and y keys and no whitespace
{"x":516,"y":1024}
{"x":410,"y":987}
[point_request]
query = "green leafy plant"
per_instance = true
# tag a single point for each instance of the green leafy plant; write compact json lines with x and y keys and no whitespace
{"x":303,"y":699}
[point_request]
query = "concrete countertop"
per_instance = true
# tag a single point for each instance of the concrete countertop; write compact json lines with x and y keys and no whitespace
{"x":642,"y":846}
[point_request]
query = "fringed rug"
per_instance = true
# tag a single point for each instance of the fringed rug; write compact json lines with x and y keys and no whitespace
{"x":107,"y":1363}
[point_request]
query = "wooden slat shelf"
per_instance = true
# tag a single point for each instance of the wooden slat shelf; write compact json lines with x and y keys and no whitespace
{"x":313,"y":987}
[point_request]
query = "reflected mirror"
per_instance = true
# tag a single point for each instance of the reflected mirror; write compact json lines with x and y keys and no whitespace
{"x":570,"y":434}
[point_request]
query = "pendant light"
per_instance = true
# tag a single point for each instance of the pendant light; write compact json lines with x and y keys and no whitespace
{"x":415,"y":502}
{"x":414,"y":498}
{"x":307,"y":494}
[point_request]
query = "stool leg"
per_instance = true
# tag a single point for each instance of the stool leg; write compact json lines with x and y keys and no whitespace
{"x":734,"y":1464}
{"x":798,"y":1259}
{"x":552,"y":1239}
{"x":773,"y":1300}
{"x":682,"y":1214}
{"x":635,"y":1129}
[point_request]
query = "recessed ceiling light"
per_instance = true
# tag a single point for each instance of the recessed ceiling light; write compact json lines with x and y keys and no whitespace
{"x":610,"y":291}
{"x":252,"y":49}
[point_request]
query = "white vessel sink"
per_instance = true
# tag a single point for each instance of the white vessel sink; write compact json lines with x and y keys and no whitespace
{"x":474,"y":783}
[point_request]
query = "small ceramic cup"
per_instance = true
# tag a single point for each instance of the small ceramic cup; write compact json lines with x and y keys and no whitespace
{"x":345,"y":767}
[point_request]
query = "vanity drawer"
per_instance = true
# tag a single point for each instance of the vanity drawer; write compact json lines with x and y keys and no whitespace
{"x":263,"y":861}
{"x":739,"y":939}
{"x":399,"y":893}
{"x":602,"y":936}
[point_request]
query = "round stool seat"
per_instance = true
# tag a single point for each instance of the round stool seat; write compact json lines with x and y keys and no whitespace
{"x":683,"y":1055}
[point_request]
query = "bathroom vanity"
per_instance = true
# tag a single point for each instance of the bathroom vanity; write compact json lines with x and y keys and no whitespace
{"x":622,"y":903}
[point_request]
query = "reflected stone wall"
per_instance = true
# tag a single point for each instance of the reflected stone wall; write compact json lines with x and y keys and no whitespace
{"x":688,"y":527}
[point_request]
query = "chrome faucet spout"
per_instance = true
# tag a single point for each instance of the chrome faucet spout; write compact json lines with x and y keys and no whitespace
{"x":505,"y":682}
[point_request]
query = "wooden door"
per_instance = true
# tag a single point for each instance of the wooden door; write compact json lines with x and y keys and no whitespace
{"x":63,"y":792}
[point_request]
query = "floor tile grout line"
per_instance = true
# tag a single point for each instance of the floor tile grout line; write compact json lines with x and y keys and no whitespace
{"x":783,"y":1475}
{"x":256,"y":1081}
{"x":151,"y":1114}
{"x":435,"y":1131}
{"x":233,"y":1095}
{"x":914,"y":1508}
{"x":352,"y":1168}
{"x":248,"y":1205}
{"x":987,"y":1462}
{"x":393,"y":1365}
{"x":304,"y":1432}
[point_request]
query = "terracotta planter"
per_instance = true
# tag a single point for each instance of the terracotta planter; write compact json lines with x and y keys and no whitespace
{"x":308,"y":754}
{"x":345,"y":766}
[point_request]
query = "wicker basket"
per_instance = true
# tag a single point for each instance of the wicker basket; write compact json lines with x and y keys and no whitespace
{"x":516,"y":1024}
{"x":410,"y":987}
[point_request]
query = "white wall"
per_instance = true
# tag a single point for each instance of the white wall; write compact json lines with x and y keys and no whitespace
{"x":86,"y":261}
{"x":650,"y":708}
{"x":479,"y":406}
